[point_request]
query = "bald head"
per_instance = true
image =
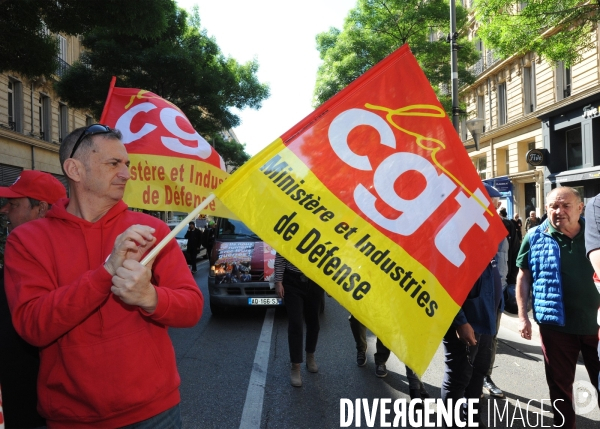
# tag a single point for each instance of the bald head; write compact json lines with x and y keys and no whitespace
{"x":564,"y":207}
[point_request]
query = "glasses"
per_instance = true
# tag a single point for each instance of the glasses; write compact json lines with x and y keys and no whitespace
{"x":92,"y":130}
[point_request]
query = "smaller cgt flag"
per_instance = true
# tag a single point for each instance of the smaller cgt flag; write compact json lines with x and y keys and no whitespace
{"x":172,"y":166}
{"x":374,"y":197}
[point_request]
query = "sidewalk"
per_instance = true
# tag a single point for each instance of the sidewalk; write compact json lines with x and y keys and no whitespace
{"x":511,"y":322}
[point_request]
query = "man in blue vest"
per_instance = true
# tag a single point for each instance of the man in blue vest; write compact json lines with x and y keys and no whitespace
{"x":553,"y":265}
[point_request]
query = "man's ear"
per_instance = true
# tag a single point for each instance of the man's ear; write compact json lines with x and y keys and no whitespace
{"x":44,"y":206}
{"x":73,"y":169}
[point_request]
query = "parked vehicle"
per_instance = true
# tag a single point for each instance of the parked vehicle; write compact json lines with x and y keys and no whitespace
{"x":241,"y":266}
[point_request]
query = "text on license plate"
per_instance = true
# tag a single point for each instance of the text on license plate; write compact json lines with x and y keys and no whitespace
{"x":264,"y":301}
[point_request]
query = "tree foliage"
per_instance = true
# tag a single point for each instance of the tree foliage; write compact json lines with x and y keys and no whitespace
{"x":375,"y":28}
{"x":558,"y":30}
{"x":28,"y":49}
{"x":233,"y":153}
{"x":181,"y":64}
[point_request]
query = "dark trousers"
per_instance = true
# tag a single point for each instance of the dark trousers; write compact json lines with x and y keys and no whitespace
{"x":494,"y":343}
{"x":169,"y":419}
{"x":191,"y":258}
{"x":303,"y":299}
{"x":560,"y":360}
{"x":465,"y":366}
{"x":382,"y":353}
{"x":359,"y":331}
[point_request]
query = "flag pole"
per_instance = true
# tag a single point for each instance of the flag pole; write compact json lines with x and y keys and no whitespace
{"x":111,"y":87}
{"x":178,"y":228}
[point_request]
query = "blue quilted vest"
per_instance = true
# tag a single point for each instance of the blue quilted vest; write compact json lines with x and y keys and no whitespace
{"x":544,"y":263}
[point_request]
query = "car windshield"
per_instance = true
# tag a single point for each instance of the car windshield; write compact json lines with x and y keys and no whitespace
{"x":181,"y":234}
{"x":232,"y":228}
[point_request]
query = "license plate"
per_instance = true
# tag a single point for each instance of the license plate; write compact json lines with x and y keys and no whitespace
{"x":264,"y":301}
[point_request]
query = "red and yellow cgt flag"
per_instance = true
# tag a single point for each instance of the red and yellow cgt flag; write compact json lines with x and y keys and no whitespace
{"x":172,"y":166}
{"x":374,"y":198}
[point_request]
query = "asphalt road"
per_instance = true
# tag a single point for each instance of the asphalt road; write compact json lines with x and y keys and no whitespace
{"x":235,"y":374}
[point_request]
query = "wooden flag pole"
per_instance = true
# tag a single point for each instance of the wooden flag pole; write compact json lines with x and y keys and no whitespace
{"x":178,"y":228}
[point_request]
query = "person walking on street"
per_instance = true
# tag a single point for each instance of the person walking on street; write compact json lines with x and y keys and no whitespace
{"x":98,"y":315}
{"x":194,"y":237}
{"x":208,"y":238}
{"x":468,"y":342}
{"x":303,"y":299}
{"x":553,"y":266}
{"x":532,"y":221}
{"x":382,"y":354}
{"x":29,"y":198}
{"x":592,"y":243}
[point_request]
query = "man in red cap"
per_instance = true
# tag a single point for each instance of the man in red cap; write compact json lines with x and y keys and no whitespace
{"x":29,"y":198}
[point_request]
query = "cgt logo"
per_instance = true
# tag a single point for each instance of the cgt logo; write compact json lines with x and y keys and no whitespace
{"x":416,"y":211}
{"x":168,"y":118}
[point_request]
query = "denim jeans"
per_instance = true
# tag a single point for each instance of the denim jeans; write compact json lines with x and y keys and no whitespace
{"x":169,"y":419}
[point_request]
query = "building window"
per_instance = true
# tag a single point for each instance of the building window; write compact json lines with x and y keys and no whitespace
{"x":9,"y":174}
{"x":15,"y":105}
{"x":529,"y":88}
{"x":481,"y":166}
{"x":563,"y":81}
{"x":63,"y":121}
{"x":44,"y":117}
{"x":62,"y":48}
{"x":506,"y":162}
{"x":481,"y":109}
{"x":502,"y":109}
{"x":11,"y":105}
{"x":574,"y":148}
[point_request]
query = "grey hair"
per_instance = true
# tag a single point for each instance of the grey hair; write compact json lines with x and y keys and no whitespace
{"x":66,"y":147}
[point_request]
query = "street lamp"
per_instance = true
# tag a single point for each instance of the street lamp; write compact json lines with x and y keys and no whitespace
{"x":475,"y":127}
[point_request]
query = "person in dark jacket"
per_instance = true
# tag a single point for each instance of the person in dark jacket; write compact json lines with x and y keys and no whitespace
{"x":29,"y":198}
{"x":194,"y":237}
{"x":208,"y":238}
{"x":468,"y":342}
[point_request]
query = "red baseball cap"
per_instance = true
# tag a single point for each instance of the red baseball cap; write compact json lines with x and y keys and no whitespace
{"x":37,"y":185}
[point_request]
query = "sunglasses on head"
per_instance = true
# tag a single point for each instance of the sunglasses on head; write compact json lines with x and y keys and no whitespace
{"x":90,"y":131}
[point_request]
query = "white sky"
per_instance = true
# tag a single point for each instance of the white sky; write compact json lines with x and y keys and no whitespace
{"x":281,"y":35}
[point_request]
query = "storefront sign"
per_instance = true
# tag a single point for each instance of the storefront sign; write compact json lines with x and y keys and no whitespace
{"x":537,"y":157}
{"x":590,"y":111}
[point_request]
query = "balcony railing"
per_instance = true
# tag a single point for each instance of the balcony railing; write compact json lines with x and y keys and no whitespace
{"x":485,"y":62}
{"x":62,"y":68}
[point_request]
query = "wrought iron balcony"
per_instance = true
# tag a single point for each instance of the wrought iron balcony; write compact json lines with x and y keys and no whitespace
{"x":63,"y":66}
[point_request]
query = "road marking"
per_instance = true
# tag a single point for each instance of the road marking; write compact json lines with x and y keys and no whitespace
{"x":258,"y":379}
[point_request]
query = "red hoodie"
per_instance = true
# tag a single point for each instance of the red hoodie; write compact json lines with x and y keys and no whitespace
{"x":103,"y":363}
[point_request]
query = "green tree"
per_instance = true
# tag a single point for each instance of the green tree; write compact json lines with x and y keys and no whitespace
{"x":558,"y":30}
{"x":28,"y":48}
{"x":375,"y":28}
{"x":233,"y":153}
{"x":182,"y":64}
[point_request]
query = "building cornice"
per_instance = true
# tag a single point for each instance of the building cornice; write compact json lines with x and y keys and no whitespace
{"x":533,"y":117}
{"x":32,"y":141}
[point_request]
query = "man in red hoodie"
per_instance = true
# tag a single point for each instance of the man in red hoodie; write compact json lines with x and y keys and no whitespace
{"x":99,"y":316}
{"x":29,"y":198}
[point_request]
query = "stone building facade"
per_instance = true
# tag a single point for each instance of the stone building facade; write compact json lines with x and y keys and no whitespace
{"x":529,"y":104}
